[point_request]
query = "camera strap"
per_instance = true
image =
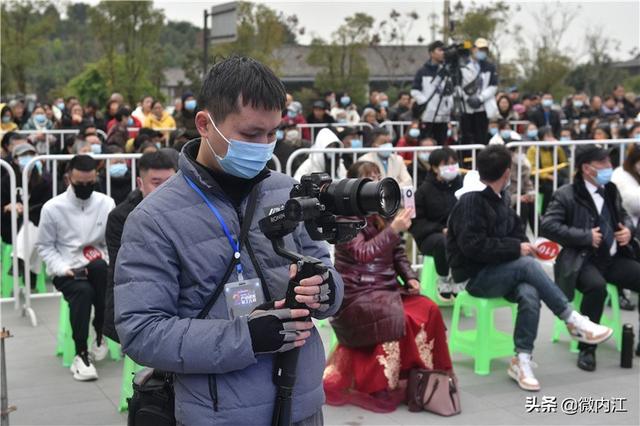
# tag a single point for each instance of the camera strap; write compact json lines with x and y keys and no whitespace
{"x":244,"y":231}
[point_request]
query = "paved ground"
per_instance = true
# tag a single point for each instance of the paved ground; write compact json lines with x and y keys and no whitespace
{"x":45,"y":393}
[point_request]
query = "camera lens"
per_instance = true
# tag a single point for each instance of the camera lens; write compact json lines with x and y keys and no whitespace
{"x":362,"y":197}
{"x":380,"y":197}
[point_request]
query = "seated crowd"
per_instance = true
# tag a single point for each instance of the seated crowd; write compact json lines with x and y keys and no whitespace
{"x":477,"y":240}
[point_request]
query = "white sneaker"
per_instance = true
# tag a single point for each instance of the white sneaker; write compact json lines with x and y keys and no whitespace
{"x":584,"y":330}
{"x":445,"y":288}
{"x":521,"y":370}
{"x":82,"y":368}
{"x":459,"y":287}
{"x":99,"y":352}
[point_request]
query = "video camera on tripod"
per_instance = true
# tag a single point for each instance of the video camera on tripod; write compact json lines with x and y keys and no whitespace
{"x":324,"y":206}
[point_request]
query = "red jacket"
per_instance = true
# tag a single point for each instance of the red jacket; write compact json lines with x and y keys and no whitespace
{"x":403,"y":141}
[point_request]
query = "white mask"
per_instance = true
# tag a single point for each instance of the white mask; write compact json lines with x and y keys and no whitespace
{"x":449,"y":172}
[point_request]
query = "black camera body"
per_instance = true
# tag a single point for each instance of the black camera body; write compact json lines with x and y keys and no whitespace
{"x":455,"y":52}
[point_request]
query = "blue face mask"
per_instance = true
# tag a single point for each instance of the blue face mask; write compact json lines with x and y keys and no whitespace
{"x":532,"y":134}
{"x":583,"y":127}
{"x":565,"y":138}
{"x":604,"y":176}
{"x":24,"y":160}
{"x":292,"y":114}
{"x":243,"y":159}
{"x":578,"y":104}
{"x":6,"y":119}
{"x":356,"y":143}
{"x":190,"y":105}
{"x":414,"y":133}
{"x":449,"y":133}
{"x":424,"y":156}
{"x":505,"y":134}
{"x":40,"y":118}
{"x":481,"y":55}
{"x":493,"y":131}
{"x":637,"y":137}
{"x":547,"y":103}
{"x":130,"y":122}
{"x":96,"y":148}
{"x":384,"y":104}
{"x":345,"y":100}
{"x":279,"y":134}
{"x":386,"y":150}
{"x":60,"y":106}
{"x":118,"y":170}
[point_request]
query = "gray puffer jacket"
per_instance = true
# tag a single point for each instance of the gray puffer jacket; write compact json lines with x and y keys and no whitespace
{"x":173,"y":255}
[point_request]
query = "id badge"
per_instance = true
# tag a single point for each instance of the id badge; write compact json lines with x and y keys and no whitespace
{"x":243,"y":297}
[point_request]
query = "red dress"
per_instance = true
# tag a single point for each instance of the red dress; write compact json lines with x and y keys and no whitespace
{"x":374,"y":377}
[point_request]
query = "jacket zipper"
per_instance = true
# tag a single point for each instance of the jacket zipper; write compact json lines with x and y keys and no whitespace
{"x":213,"y":391}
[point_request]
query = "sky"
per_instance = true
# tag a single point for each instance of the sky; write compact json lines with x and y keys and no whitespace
{"x":616,"y":19}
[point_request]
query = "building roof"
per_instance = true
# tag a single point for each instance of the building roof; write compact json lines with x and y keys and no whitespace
{"x":631,"y":63}
{"x":402,"y":62}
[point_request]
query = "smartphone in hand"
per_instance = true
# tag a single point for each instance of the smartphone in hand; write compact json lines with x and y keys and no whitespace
{"x":80,"y":274}
{"x":408,"y":200}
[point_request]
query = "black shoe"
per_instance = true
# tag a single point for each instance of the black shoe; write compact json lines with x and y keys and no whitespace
{"x":587,"y":359}
{"x":638,"y":350}
{"x":625,"y":303}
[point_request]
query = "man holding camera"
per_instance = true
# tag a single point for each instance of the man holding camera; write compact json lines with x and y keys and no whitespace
{"x":433,"y":95}
{"x":479,"y":86}
{"x":197,"y":237}
{"x":72,"y":243}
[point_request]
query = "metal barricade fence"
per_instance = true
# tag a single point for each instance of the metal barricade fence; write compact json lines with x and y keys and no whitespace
{"x":277,"y":163}
{"x":356,"y":151}
{"x":314,"y":126}
{"x":555,"y":167}
{"x":13,"y":190}
{"x":25,"y":202}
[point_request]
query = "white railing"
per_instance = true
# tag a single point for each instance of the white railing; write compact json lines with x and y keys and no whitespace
{"x":314,"y":126}
{"x":25,"y":202}
{"x":556,"y":146}
{"x":356,"y":151}
{"x":14,"y":231}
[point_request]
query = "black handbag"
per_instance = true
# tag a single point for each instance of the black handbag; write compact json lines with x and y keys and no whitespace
{"x":153,"y":400}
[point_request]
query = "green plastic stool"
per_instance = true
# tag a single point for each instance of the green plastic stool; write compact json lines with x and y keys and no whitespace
{"x":7,"y":278}
{"x":65,"y":346}
{"x":429,"y":283}
{"x":613,"y":321}
{"x":129,"y":368}
{"x":483,"y":342}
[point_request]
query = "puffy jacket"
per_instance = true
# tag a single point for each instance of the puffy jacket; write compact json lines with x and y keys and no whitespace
{"x":434,"y":201}
{"x":483,"y":229}
{"x":480,"y":78}
{"x":165,"y":122}
{"x":372,"y":310}
{"x":429,"y":87}
{"x":317,"y":162}
{"x":173,"y":255}
{"x":568,"y":221}
{"x":395,"y":168}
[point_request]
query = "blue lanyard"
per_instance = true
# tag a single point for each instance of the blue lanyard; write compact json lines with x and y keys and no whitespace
{"x":235,"y":245}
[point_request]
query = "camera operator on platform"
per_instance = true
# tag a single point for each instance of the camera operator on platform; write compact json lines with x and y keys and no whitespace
{"x":179,"y":246}
{"x":479,"y":86}
{"x":433,"y":95}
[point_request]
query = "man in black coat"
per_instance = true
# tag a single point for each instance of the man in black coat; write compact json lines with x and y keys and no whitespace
{"x":154,"y":169}
{"x":486,"y":244}
{"x":435,"y":198}
{"x":546,"y":116}
{"x":587,"y":219}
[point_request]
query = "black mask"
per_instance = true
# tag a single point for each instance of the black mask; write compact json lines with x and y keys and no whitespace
{"x":83,"y":190}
